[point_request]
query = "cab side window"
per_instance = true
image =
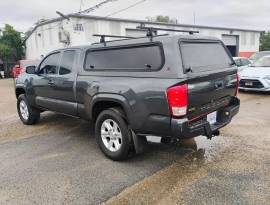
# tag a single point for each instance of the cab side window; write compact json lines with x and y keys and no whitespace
{"x":67,"y":62}
{"x":148,"y":57}
{"x":50,"y":64}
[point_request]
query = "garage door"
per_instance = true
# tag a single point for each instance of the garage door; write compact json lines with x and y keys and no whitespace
{"x":135,"y":33}
{"x":231,"y":43}
{"x":229,"y":40}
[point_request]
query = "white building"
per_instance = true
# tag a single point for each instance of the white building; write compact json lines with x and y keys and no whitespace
{"x":79,"y":29}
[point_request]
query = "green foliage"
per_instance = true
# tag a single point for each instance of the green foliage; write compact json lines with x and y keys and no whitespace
{"x":5,"y":52}
{"x":162,"y":19}
{"x":165,"y":19}
{"x":11,"y":48}
{"x":265,"y":41}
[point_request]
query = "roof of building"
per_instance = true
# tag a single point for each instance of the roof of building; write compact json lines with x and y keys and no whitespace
{"x":137,"y":40}
{"x":83,"y":16}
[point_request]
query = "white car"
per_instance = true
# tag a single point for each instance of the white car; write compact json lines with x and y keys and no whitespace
{"x":241,"y":63}
{"x":257,"y":76}
{"x":256,"y":56}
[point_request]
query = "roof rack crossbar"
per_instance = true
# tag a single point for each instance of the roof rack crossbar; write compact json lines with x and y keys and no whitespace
{"x":151,"y":31}
{"x":103,"y":36}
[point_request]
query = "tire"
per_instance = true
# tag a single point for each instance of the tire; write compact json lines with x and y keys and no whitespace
{"x":113,"y":135}
{"x":27,"y":114}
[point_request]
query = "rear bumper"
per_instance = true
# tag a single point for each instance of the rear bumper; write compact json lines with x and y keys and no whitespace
{"x":182,"y":128}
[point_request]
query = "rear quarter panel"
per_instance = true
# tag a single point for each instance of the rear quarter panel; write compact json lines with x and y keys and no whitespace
{"x":145,"y":99}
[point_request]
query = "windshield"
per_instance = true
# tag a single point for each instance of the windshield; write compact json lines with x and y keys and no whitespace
{"x":262,"y":62}
{"x":257,"y":56}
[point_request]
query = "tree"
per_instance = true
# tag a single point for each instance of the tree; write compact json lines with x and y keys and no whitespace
{"x":265,"y":41}
{"x":162,"y":19}
{"x":11,"y":48}
{"x":5,"y":52}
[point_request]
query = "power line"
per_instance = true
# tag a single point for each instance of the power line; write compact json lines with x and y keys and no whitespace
{"x":93,"y":8}
{"x":131,"y":6}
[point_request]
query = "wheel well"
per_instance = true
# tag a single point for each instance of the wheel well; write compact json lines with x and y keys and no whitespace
{"x":19,"y":91}
{"x":104,"y":105}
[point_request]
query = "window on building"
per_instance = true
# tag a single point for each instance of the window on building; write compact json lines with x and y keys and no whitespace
{"x":78,"y":27}
{"x":144,"y":57}
{"x":67,"y":62}
{"x":50,"y":64}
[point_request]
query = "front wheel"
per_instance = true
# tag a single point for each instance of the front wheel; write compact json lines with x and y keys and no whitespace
{"x":27,"y":114}
{"x":113,"y":135}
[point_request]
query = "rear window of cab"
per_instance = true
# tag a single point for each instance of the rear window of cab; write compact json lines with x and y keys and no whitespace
{"x":145,"y":57}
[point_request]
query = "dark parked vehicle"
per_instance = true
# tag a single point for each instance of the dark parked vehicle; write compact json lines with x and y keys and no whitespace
{"x":176,"y":87}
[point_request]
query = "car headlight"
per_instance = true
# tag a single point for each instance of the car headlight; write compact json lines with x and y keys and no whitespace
{"x":267,"y":78}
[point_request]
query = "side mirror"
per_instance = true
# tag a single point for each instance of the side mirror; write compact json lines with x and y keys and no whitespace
{"x":31,"y":69}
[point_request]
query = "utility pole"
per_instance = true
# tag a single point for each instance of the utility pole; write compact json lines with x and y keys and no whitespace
{"x":81,"y":6}
{"x":194,"y":17}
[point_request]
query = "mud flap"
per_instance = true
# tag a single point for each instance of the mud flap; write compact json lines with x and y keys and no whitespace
{"x":140,"y":143}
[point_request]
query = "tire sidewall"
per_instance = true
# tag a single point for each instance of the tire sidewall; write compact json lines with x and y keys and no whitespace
{"x":122,"y":153}
{"x":33,"y":117}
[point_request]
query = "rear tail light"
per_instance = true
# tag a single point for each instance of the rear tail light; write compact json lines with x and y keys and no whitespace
{"x":237,"y":84}
{"x":178,"y":100}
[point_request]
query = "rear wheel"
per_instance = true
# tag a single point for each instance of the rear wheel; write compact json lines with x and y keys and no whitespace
{"x":27,"y":114}
{"x":113,"y":135}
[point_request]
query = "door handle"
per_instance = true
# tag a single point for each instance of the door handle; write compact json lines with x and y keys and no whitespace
{"x":50,"y":82}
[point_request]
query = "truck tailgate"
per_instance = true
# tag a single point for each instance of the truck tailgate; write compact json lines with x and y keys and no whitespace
{"x":210,"y":92}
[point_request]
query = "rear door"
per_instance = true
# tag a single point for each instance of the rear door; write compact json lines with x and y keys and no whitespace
{"x":211,"y":76}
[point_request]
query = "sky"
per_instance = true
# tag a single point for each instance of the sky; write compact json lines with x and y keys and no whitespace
{"x":250,"y":14}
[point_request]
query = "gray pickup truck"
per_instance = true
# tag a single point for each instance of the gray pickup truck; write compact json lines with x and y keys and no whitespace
{"x":172,"y":86}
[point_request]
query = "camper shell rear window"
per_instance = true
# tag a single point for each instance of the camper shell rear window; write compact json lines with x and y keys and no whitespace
{"x":201,"y":56}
